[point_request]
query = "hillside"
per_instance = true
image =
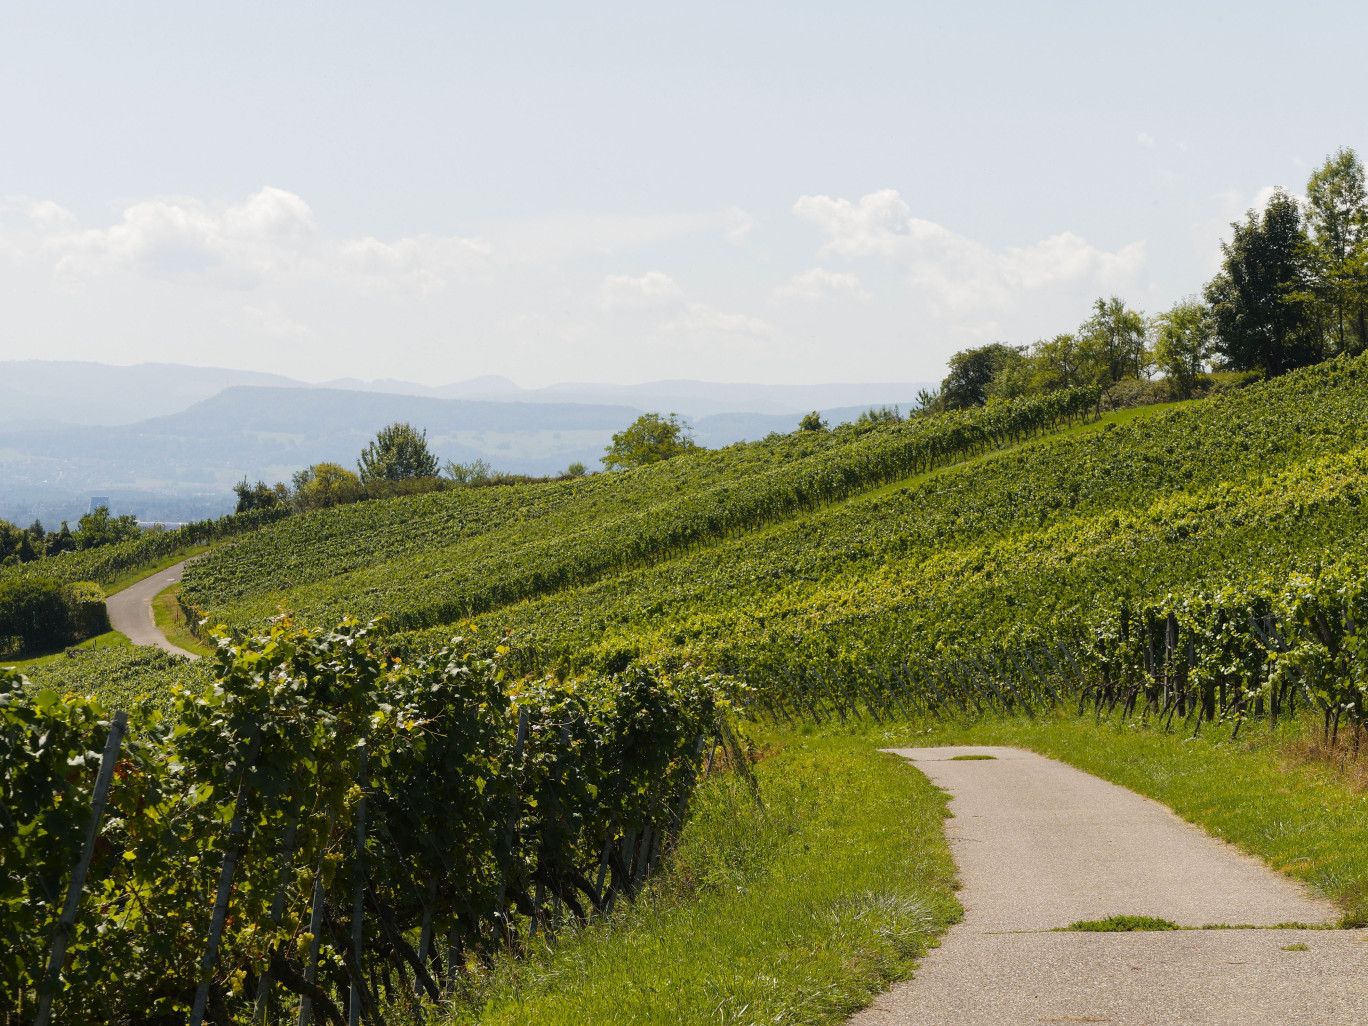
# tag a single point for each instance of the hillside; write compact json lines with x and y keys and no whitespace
{"x":683,"y":561}
{"x":195,"y":440}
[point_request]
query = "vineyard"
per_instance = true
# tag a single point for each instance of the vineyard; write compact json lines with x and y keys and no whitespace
{"x":434,"y":559}
{"x":349,"y":818}
{"x":105,"y":563}
{"x":324,"y":833}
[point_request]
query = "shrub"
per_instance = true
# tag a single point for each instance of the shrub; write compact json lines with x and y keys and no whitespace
{"x":38,"y":615}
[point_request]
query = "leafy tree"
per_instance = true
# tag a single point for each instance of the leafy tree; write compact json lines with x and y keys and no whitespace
{"x":325,"y":485}
{"x":398,"y":452}
{"x":1183,"y":343}
{"x":649,"y":439}
{"x":878,"y":415}
{"x":576,"y":469}
{"x":972,"y":372}
{"x":1262,"y":320}
{"x":476,"y":472}
{"x":61,"y":541}
{"x":259,"y":496}
{"x":1113,"y":340}
{"x":100,"y":528}
{"x":1013,"y":377}
{"x":1060,"y":362}
{"x":1337,"y":264}
{"x":812,"y":422}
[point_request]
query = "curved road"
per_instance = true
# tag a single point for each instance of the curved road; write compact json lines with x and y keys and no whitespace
{"x":1040,"y":845}
{"x":130,"y":611}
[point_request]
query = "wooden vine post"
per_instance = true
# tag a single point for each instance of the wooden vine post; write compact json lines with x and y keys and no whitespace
{"x":53,"y":977}
{"x":225,"y":885}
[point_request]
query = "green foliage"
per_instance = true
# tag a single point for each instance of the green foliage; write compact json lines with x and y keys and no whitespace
{"x":437,"y":558}
{"x":972,"y":372}
{"x":797,"y":911}
{"x":1261,"y":321}
{"x":651,"y":438}
{"x":100,"y":528}
{"x":812,"y":422}
{"x":1337,"y":265}
{"x":251,"y":498}
{"x":105,"y":563}
{"x":323,"y":486}
{"x":399,"y":452}
{"x":1113,"y":341}
{"x":1121,"y":924}
{"x":40,"y":615}
{"x":1183,"y":344}
{"x":576,"y":469}
{"x":479,"y":799}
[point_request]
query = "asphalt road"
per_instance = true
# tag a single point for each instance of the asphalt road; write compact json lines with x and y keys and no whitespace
{"x":130,"y":611}
{"x":1041,"y":845}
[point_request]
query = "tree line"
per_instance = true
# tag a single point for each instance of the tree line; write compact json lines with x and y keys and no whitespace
{"x":1292,"y":290}
{"x":97,"y":528}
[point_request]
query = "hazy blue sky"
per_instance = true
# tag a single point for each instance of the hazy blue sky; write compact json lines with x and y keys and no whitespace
{"x":619,"y":192}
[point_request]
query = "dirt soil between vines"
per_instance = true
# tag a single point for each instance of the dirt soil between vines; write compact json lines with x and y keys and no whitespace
{"x":1040,"y":845}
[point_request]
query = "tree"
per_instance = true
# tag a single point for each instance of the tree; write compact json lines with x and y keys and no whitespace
{"x":258,"y":496}
{"x":576,"y":469}
{"x":651,"y":438}
{"x":398,"y":452}
{"x":100,"y":528}
{"x":812,"y":422}
{"x":1258,"y":307}
{"x":1113,"y":341}
{"x":324,"y":485}
{"x":972,"y":372}
{"x":1337,"y":256}
{"x":1060,"y":362}
{"x":476,"y":472}
{"x":879,"y":415}
{"x":1183,"y":343}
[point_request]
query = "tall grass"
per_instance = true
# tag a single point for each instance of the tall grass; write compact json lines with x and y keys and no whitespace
{"x":796,"y":909}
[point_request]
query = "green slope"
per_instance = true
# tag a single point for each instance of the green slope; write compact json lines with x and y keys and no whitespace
{"x":431,"y":559}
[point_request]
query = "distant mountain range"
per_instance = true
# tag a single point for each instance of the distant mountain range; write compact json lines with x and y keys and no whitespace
{"x":168,"y":442}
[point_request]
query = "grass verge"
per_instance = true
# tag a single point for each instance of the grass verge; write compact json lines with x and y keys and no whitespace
{"x":170,"y":620}
{"x":1306,"y":817}
{"x":140,"y":573}
{"x":110,"y":639}
{"x":797,"y":913}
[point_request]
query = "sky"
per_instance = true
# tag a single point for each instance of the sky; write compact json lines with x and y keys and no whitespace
{"x":787,"y":193}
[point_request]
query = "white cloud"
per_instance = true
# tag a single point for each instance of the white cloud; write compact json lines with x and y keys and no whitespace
{"x":269,"y":235}
{"x":955,"y":273}
{"x":699,"y":319}
{"x":623,"y":292}
{"x":819,"y":283}
{"x":1145,"y":139}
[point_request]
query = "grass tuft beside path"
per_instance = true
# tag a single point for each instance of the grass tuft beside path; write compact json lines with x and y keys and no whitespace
{"x":797,"y":913}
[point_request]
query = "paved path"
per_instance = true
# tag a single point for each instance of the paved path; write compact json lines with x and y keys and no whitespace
{"x":130,"y":611}
{"x":1040,"y":845}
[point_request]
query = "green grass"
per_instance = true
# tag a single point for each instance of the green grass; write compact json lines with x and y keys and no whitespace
{"x":1120,"y":924}
{"x":971,"y":758}
{"x":110,"y":639}
{"x":1306,"y":818}
{"x":141,"y":573}
{"x":170,"y":619}
{"x":798,"y":913}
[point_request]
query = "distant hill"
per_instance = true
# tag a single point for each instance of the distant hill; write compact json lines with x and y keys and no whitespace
{"x":96,"y":393}
{"x":183,"y":465}
{"x":71,"y":392}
